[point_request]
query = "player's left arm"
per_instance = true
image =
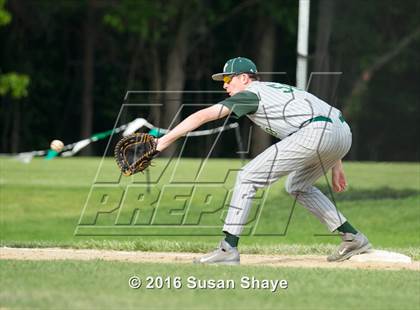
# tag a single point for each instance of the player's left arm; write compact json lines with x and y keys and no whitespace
{"x":192,"y":122}
{"x":339,"y":181}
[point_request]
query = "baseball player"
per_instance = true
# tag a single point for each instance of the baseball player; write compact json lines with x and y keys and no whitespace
{"x":314,"y":138}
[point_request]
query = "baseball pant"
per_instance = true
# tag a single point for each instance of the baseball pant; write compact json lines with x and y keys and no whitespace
{"x":305,"y":156}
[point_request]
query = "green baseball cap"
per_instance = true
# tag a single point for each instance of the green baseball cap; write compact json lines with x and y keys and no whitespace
{"x":236,"y":66}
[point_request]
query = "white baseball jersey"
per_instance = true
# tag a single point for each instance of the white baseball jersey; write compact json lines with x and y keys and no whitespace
{"x":279,"y":109}
{"x":308,"y":149}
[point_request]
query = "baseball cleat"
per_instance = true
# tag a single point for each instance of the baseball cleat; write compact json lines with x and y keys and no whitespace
{"x":225,"y":254}
{"x":352,"y":244}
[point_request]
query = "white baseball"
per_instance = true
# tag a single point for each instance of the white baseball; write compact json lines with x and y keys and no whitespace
{"x":57,"y":145}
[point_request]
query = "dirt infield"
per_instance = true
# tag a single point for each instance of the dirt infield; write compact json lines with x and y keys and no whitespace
{"x":298,"y":261}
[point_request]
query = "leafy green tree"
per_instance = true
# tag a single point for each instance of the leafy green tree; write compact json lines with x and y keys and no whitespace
{"x":14,"y":83}
{"x":177,"y":45}
{"x":376,"y":48}
{"x":5,"y":16}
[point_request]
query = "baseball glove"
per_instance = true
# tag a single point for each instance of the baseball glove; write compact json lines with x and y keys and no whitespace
{"x":135,"y":152}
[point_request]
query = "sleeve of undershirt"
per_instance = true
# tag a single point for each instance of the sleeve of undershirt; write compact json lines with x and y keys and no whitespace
{"x":242,"y":103}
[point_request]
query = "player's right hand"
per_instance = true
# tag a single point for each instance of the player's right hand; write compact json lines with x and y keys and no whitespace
{"x":339,"y":182}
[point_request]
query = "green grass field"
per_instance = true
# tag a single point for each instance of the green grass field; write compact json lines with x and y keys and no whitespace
{"x":41,"y":204}
{"x":100,"y":285}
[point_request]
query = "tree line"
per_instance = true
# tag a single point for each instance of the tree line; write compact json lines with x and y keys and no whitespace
{"x":66,"y":65}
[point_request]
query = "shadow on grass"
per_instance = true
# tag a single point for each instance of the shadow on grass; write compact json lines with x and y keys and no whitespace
{"x":371,"y":194}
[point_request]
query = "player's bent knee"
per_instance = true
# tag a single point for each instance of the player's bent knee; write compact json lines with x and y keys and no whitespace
{"x":289,"y":189}
{"x":246,"y":178}
{"x":293,"y":190}
{"x":294,"y":193}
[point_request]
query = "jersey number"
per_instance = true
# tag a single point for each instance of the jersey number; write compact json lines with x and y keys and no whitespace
{"x":283,"y":87}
